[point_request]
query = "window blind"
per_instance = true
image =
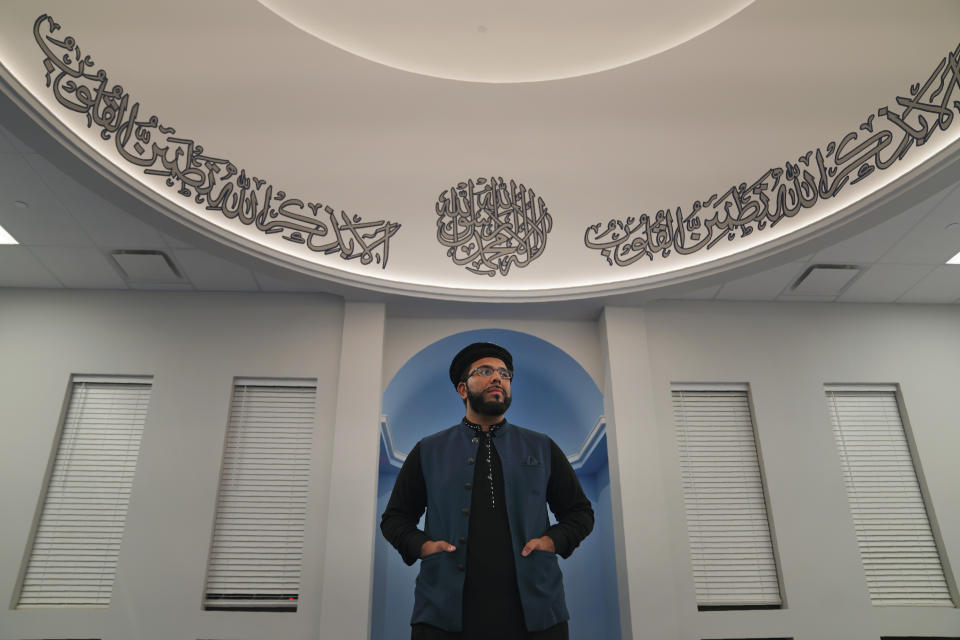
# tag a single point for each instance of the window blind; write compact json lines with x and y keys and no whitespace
{"x":899,"y":553}
{"x":76,"y":543}
{"x":730,"y":543}
{"x":261,"y":504}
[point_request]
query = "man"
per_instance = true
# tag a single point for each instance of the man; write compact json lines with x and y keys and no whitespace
{"x":488,"y":567}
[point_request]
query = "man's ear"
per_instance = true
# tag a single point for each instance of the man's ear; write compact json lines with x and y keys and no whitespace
{"x":462,"y":389}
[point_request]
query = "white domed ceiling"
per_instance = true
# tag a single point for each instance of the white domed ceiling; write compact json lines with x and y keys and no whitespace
{"x":500,"y":153}
{"x":505,"y":41}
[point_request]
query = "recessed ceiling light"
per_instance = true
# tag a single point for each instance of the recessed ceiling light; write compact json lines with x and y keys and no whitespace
{"x":6,"y":238}
{"x":953,"y":226}
{"x":20,"y":204}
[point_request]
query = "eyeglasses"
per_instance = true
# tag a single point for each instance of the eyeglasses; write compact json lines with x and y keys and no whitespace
{"x":486,"y":372}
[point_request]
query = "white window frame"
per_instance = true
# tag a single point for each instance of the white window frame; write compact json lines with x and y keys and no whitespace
{"x":250,"y":567}
{"x":727,"y":578}
{"x":78,"y":529}
{"x":892,"y":505}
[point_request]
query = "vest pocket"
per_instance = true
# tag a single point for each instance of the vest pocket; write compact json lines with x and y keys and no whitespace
{"x":541,"y":572}
{"x":438,"y":596}
{"x":438,"y":574}
{"x":434,"y":569}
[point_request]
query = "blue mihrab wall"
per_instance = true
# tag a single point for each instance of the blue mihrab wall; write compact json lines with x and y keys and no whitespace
{"x":553,"y":394}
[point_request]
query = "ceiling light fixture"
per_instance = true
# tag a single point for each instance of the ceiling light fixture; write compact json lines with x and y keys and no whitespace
{"x":6,"y":238}
{"x":954,"y":260}
{"x":20,"y":204}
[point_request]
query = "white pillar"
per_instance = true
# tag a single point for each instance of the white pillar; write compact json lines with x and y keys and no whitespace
{"x":647,"y":590}
{"x":348,"y":559}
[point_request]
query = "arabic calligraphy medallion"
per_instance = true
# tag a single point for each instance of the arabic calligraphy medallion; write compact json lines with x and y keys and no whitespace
{"x":489,"y":225}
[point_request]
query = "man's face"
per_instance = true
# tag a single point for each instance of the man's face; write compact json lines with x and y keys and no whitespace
{"x":487,"y":395}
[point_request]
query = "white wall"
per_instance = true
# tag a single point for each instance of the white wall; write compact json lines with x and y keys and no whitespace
{"x":786,"y":353}
{"x":348,"y":567}
{"x":193,"y":346}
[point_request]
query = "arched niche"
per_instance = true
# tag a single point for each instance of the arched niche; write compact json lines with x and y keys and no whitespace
{"x":552,"y":393}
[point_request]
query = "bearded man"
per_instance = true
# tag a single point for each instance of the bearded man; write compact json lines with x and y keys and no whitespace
{"x":488,"y":555}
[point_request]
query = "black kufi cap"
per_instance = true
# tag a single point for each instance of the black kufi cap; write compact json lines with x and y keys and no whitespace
{"x":471,"y":353}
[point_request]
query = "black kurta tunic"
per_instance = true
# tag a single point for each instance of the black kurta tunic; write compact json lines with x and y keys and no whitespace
{"x":491,"y":599}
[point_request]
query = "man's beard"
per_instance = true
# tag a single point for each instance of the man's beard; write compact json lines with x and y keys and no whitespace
{"x":489,"y":407}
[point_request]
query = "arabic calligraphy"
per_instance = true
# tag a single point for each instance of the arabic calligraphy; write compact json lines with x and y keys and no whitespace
{"x":780,"y":193}
{"x":489,"y":225}
{"x":216,"y":183}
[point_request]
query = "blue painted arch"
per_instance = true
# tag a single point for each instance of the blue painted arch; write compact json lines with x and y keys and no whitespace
{"x":553,"y":394}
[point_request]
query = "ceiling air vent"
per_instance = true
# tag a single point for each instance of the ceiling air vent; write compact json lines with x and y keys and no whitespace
{"x":824,"y":280}
{"x":148,"y":267}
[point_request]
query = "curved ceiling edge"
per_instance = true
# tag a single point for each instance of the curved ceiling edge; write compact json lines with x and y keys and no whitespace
{"x":871,"y":204}
{"x":907,"y":189}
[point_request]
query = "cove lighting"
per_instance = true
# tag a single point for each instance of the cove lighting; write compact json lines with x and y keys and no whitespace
{"x":6,"y":238}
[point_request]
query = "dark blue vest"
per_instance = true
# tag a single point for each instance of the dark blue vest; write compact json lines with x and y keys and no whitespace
{"x":447,"y":462}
